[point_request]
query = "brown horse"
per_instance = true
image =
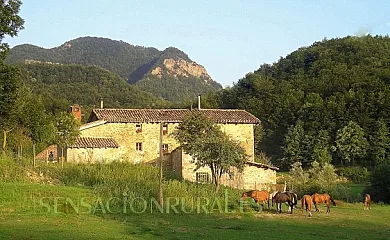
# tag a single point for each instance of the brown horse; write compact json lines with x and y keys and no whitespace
{"x":322,"y":198}
{"x":287,"y":197}
{"x":307,"y":202}
{"x":367,"y":202}
{"x":259,"y":196}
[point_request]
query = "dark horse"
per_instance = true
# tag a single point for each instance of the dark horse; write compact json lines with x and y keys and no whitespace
{"x":307,"y":203}
{"x":322,"y":198}
{"x":259,"y":196}
{"x":287,"y":197}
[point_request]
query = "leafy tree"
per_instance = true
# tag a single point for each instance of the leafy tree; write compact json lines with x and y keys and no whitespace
{"x":67,"y":130}
{"x":9,"y":100}
{"x":327,"y":177}
{"x":293,"y":145}
{"x":300,"y":179}
{"x":380,"y":182}
{"x":381,"y":143}
{"x":203,"y":140}
{"x":10,"y":22}
{"x":321,"y":149}
{"x":351,"y":143}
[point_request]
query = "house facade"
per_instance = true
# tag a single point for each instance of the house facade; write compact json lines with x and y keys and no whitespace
{"x":134,"y":135}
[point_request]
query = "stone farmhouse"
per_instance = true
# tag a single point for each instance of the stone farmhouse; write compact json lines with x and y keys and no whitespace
{"x":134,"y":135}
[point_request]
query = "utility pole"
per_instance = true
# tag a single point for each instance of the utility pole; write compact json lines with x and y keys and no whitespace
{"x":160,"y":194}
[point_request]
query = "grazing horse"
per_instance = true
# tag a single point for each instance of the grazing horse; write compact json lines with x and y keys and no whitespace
{"x":367,"y":202}
{"x":307,"y":202}
{"x":259,"y":196}
{"x":322,"y":198}
{"x":281,"y":197}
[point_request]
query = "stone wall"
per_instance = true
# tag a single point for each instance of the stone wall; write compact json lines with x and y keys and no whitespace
{"x":243,"y":133}
{"x":92,"y":155}
{"x":255,"y":177}
{"x":252,"y":177}
{"x":126,"y":136}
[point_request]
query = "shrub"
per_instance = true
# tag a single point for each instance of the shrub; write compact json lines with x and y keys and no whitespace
{"x":355,"y":174}
{"x":10,"y":171}
{"x":380,"y":182}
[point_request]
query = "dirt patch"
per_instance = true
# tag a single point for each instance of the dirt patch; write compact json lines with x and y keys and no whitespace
{"x":40,"y":178}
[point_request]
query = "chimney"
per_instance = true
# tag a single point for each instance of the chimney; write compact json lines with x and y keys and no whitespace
{"x":101,"y":103}
{"x":198,"y":102}
{"x":76,"y":111}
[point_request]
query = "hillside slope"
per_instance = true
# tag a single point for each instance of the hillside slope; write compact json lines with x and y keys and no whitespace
{"x":169,"y":74}
{"x":311,"y":96}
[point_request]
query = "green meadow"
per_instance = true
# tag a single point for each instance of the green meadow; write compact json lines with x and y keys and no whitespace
{"x":23,"y":217}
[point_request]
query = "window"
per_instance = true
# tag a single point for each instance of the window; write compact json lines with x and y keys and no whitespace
{"x":138,"y":128}
{"x":202,"y":177}
{"x":165,"y":129}
{"x":165,"y":148}
{"x":138,"y":146}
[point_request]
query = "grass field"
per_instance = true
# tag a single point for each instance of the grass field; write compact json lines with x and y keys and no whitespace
{"x":20,"y":220}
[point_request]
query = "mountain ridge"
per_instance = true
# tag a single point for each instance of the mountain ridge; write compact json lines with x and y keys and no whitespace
{"x":138,"y":65}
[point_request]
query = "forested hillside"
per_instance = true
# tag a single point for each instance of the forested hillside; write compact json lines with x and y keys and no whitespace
{"x":169,"y":74}
{"x":329,"y":102}
{"x":85,"y":85}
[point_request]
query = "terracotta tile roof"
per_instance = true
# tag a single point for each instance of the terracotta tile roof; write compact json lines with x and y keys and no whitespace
{"x":93,"y":142}
{"x":44,"y":155}
{"x":262,"y":165}
{"x":171,"y":115}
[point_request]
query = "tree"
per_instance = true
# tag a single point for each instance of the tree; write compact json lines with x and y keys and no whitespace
{"x":38,"y":124}
{"x":380,"y":182}
{"x":351,"y":143}
{"x":10,"y":22}
{"x":9,"y":99}
{"x":67,"y":129}
{"x":204,"y":141}
{"x":293,"y":145}
{"x":380,"y":143}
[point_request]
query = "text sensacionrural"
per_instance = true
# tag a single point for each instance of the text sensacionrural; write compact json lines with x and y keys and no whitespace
{"x":125,"y":205}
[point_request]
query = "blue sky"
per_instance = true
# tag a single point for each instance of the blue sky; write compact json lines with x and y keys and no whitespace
{"x":229,"y":38}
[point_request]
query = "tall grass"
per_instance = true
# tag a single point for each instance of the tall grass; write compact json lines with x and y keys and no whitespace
{"x":136,"y":181}
{"x":10,"y":171}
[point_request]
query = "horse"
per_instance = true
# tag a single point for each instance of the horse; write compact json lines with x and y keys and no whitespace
{"x":322,"y":198}
{"x":281,"y":197}
{"x":367,"y":202}
{"x":258,"y":196}
{"x":307,"y":202}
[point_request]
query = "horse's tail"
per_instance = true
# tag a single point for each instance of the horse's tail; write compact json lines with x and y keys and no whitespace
{"x":303,"y":203}
{"x":333,"y":202}
{"x":295,"y":199}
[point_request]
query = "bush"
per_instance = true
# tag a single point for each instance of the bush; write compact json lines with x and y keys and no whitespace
{"x":355,"y":174}
{"x":380,"y":182}
{"x":10,"y":171}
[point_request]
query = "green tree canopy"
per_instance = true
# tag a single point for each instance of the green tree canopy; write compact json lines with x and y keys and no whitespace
{"x":10,"y":86}
{"x":381,"y":143}
{"x":205,"y":142}
{"x":67,"y":129}
{"x":351,"y":142}
{"x":10,"y":22}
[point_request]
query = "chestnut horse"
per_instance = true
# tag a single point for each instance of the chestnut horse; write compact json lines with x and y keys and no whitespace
{"x":281,"y":197}
{"x":367,"y":202}
{"x":259,"y":196}
{"x":307,"y":202}
{"x":322,"y":198}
